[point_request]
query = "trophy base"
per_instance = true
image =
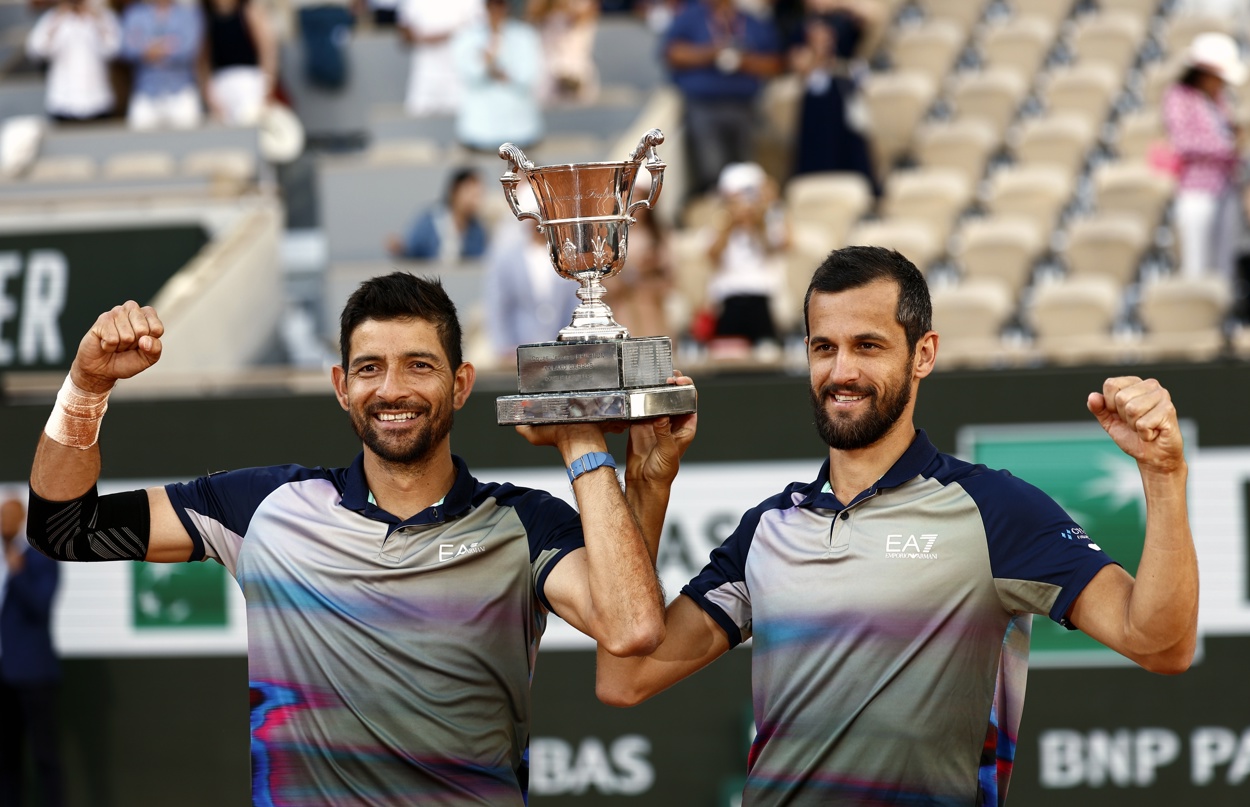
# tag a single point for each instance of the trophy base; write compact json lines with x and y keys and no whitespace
{"x":595,"y":405}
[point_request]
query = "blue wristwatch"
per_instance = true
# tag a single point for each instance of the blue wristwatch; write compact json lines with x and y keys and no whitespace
{"x":589,"y":462}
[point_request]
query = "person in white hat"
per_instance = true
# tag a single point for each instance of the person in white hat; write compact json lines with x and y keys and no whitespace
{"x":1206,"y":141}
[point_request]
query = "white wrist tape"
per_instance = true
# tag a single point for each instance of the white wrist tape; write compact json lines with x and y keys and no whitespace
{"x":75,"y":420}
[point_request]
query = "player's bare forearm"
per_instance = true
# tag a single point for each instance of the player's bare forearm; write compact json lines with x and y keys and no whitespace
{"x":60,"y":473}
{"x":608,"y":590}
{"x":1152,"y":619}
{"x":649,"y":504}
{"x":691,"y":642}
{"x":626,"y":603}
{"x":1163,"y":607}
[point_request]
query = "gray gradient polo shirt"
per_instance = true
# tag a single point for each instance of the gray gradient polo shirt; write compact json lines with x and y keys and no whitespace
{"x":389,"y":661}
{"x":891,"y":633}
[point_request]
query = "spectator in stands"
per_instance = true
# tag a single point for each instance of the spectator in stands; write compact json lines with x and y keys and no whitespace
{"x":747,"y":251}
{"x":240,"y":58}
{"x":525,"y":301}
{"x":162,"y":39}
{"x":77,"y":39}
{"x":450,"y":231}
{"x":429,"y":27}
{"x":1206,"y":141}
{"x":385,"y":13}
{"x":30,"y":672}
{"x":500,"y":63}
{"x":719,"y":58}
{"x":639,"y":294}
{"x":832,"y":116}
{"x":568,"y":30}
{"x":325,"y":29}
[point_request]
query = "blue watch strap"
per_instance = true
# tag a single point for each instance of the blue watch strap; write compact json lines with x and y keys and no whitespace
{"x":589,"y":462}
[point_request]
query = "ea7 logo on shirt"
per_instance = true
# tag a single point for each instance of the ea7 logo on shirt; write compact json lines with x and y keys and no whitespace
{"x":911,"y":546}
{"x":452,"y":551}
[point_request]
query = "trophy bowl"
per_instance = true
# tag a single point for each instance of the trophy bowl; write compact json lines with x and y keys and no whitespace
{"x":593,"y":370}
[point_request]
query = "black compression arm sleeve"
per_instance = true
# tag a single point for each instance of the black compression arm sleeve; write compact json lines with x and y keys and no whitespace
{"x":91,"y":527}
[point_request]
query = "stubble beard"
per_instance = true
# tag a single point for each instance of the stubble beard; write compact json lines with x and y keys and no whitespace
{"x":436,"y":427}
{"x":849,"y":434}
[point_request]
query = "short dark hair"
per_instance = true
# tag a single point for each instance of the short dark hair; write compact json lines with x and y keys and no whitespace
{"x":458,"y":178}
{"x":853,"y":267}
{"x":402,"y":295}
{"x":1193,"y":76}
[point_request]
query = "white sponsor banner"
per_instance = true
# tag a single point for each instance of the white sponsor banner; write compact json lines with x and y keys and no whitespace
{"x":94,"y":613}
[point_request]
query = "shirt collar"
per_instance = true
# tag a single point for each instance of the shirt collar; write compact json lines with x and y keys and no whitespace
{"x":457,"y":501}
{"x":914,"y":460}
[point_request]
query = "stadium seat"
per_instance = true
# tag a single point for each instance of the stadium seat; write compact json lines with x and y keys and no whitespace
{"x":1002,"y":249}
{"x":1134,"y":188}
{"x":1107,"y":245}
{"x":1182,"y":29}
{"x":139,"y":165}
{"x":914,"y":239}
{"x":1183,"y":318}
{"x":964,"y":13}
{"x":1142,"y":10}
{"x":1084,"y":89}
{"x":415,"y":151}
{"x":1072,"y":319}
{"x":1137,"y":132}
{"x":897,"y":102}
{"x":1052,"y":11}
{"x":1061,"y":139}
{"x":828,"y":203}
{"x":961,"y":145}
{"x":1036,"y":192}
{"x":780,"y":104}
{"x":569,"y":147}
{"x":934,"y":196}
{"x":808,"y":249}
{"x":689,"y":251}
{"x":1239,"y":341}
{"x":1111,"y":38}
{"x":1020,"y":44}
{"x":1156,"y":78}
{"x":930,"y":48}
{"x":969,"y":318}
{"x":62,"y":168}
{"x":990,"y":95}
{"x":231,"y":164}
{"x":702,"y":211}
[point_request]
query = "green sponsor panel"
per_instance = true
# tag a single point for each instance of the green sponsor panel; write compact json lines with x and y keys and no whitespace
{"x":179,"y":595}
{"x":1082,"y":469}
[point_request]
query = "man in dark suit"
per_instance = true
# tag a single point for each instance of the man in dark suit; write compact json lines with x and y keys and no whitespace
{"x":29,"y":670}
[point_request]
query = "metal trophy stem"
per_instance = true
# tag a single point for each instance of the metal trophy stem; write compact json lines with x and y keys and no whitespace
{"x":594,"y":370}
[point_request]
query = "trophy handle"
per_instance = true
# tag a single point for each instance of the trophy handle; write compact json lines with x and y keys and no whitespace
{"x":646,"y":147}
{"x":517,"y":161}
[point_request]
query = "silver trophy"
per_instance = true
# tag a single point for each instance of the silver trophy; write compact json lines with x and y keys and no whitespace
{"x":594,"y":370}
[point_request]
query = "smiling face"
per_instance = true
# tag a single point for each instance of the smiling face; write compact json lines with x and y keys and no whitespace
{"x":863,"y":370}
{"x":399,"y":389}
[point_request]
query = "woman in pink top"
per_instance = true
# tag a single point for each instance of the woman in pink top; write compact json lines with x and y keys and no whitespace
{"x":1207,"y":141}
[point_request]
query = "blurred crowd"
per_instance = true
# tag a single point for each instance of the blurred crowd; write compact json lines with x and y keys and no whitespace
{"x":497,"y":65}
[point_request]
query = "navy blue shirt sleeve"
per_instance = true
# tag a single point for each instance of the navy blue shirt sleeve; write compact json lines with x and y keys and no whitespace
{"x":721,"y":588}
{"x":226,"y":500}
{"x":1032,"y":538}
{"x":553,"y":527}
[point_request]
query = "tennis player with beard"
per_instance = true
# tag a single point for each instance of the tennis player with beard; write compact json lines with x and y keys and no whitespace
{"x":890,"y":599}
{"x":394,"y":606}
